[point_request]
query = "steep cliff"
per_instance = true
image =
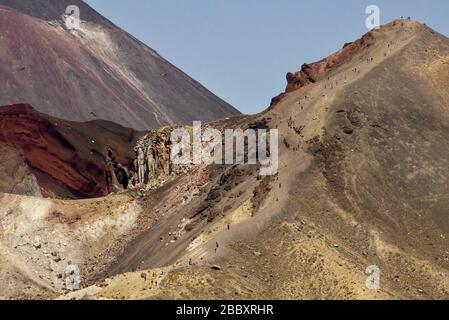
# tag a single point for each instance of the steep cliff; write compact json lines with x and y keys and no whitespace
{"x":64,"y":159}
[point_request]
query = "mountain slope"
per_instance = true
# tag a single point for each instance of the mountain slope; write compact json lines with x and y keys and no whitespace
{"x":362,"y":183}
{"x":95,"y":72}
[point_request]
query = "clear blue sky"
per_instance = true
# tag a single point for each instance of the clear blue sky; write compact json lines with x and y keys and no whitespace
{"x":242,"y":49}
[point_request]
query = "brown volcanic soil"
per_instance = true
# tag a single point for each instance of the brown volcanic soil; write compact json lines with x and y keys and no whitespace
{"x":67,"y":159}
{"x":362,"y":181}
{"x":97,"y":72}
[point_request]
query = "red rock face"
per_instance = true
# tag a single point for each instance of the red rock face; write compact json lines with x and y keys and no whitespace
{"x":311,"y":73}
{"x":58,"y":153}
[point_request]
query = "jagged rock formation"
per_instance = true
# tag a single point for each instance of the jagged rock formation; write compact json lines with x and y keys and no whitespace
{"x":152,"y":158}
{"x":152,"y":152}
{"x":311,"y":73}
{"x":95,"y":72}
{"x":317,"y":71}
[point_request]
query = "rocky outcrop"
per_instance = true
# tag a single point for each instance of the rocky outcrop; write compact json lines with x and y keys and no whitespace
{"x":311,"y":73}
{"x":152,"y":159}
{"x":316,"y":71}
{"x":119,"y":176}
